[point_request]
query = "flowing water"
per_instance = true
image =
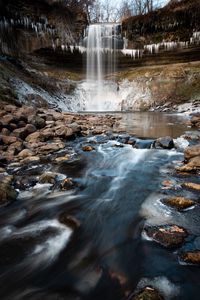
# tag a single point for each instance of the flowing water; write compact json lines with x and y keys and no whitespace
{"x":119,"y":189}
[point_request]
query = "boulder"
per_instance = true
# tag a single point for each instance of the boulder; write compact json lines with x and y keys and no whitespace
{"x":51,"y":147}
{"x":191,"y":152}
{"x":34,"y":137}
{"x":25,"y":153}
{"x":30,"y":159}
{"x":191,"y":185}
{"x":192,"y":166}
{"x":169,"y":236}
{"x":64,"y":131}
{"x":47,"y":133}
{"x":20,"y":133}
{"x":190,"y":257}
{"x":87,"y":148}
{"x":48,"y":177}
{"x":67,"y":184}
{"x":7,"y":140}
{"x":7,"y":191}
{"x":37,"y":121}
{"x":164,"y":142}
{"x":178,"y":202}
{"x":147,"y":293}
{"x":5,"y":131}
{"x":195,"y":121}
{"x":62,"y":159}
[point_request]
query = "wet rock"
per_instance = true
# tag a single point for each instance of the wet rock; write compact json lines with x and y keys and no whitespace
{"x":69,"y":220}
{"x":48,"y":177}
{"x":7,"y":191}
{"x":168,"y":236}
{"x":147,"y":293}
{"x":67,"y":184}
{"x":25,"y":153}
{"x":195,"y":121}
{"x":191,"y":152}
{"x":178,"y":202}
{"x":30,"y":159}
{"x":191,"y":185}
{"x":51,"y":147}
{"x":87,"y":148}
{"x":190,"y":257}
{"x":62,"y":159}
{"x":164,"y":142}
{"x":192,"y":166}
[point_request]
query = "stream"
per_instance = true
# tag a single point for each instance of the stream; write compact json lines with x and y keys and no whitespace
{"x":119,"y":188}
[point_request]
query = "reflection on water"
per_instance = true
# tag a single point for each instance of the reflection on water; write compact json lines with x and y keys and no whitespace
{"x":151,"y":124}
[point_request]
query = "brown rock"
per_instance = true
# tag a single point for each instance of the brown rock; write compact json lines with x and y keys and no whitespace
{"x":191,"y":152}
{"x":192,"y":186}
{"x":7,"y":140}
{"x":192,"y":166}
{"x":5,"y":131}
{"x":51,"y":147}
{"x":34,"y":137}
{"x":179,"y":202}
{"x":25,"y":153}
{"x":48,"y":177}
{"x":64,"y":131}
{"x":67,"y":184}
{"x":20,"y":133}
{"x":30,"y":159}
{"x":37,"y":121}
{"x":147,"y":293}
{"x":2,"y":170}
{"x":30,"y":128}
{"x":191,"y":257}
{"x":62,"y":158}
{"x":7,"y":191}
{"x":48,"y":133}
{"x":168,"y":236}
{"x":87,"y":148}
{"x":7,"y":119}
{"x":10,"y":108}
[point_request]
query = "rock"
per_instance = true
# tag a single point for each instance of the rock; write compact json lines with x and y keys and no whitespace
{"x":190,"y":257}
{"x":191,"y":185}
{"x":48,"y":177}
{"x":30,"y":128}
{"x":64,"y":131}
{"x":20,"y":133}
{"x":192,"y":166}
{"x":62,"y":159}
{"x":25,"y":153}
{"x":34,"y":137}
{"x":5,"y":131}
{"x":195,"y":121}
{"x":7,"y":140}
{"x":87,"y":148}
{"x":15,"y":147}
{"x":147,"y":293}
{"x":69,"y":220}
{"x":164,"y":142}
{"x":168,"y":236}
{"x":48,"y":133}
{"x":38,"y":122}
{"x":2,"y":170}
{"x":10,"y":108}
{"x":51,"y":147}
{"x":30,"y":159}
{"x":191,"y":152}
{"x":7,"y":119}
{"x":178,"y":202}
{"x":67,"y":184}
{"x":7,"y":191}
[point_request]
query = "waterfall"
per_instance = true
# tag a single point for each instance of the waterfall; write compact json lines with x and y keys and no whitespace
{"x":101,"y":44}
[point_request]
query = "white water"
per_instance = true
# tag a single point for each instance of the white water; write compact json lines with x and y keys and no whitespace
{"x":101,"y":62}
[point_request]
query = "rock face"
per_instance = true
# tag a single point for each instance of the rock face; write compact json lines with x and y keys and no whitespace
{"x":43,"y":24}
{"x":147,"y":293}
{"x":169,"y":236}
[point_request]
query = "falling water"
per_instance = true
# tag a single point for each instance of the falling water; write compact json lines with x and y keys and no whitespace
{"x":102,"y":42}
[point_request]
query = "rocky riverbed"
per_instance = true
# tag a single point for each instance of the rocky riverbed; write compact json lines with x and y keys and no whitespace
{"x":48,"y":155}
